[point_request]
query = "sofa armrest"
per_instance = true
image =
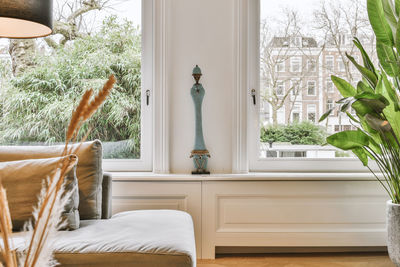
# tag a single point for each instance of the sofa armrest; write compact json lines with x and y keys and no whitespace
{"x":106,"y":208}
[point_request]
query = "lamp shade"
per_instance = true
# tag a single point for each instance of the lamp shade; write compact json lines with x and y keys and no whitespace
{"x":26,"y":18}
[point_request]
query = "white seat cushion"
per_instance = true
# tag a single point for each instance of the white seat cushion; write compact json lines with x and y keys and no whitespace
{"x":134,"y":238}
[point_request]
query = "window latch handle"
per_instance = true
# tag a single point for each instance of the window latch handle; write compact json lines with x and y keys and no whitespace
{"x":147,"y":97}
{"x":253,"y":95}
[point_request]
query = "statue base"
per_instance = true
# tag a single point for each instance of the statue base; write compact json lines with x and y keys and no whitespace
{"x":200,"y":172}
{"x":200,"y":158}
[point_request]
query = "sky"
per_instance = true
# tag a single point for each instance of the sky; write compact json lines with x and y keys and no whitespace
{"x":270,"y":8}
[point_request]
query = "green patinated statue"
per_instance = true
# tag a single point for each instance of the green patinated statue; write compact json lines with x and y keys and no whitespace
{"x":199,"y":154}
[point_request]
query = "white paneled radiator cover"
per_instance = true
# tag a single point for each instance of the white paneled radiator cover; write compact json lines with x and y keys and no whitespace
{"x":267,"y":213}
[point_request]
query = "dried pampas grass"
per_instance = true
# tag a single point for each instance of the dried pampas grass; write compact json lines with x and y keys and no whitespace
{"x":52,"y":199}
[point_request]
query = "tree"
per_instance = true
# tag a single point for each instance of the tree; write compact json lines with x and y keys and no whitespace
{"x":71,"y":22}
{"x":338,"y":22}
{"x":277,"y":45}
{"x":37,"y":104}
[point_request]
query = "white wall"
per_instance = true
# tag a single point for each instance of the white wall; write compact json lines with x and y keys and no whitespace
{"x":200,"y":32}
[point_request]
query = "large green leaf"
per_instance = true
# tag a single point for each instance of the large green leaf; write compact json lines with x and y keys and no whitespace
{"x":349,"y":140}
{"x":392,"y":110}
{"x":363,"y":87}
{"x":326,"y":114}
{"x":367,"y":74}
{"x":397,"y":40}
{"x":373,"y":96}
{"x":367,"y":61}
{"x":387,"y":59}
{"x":362,"y":155}
{"x":351,"y":117}
{"x":345,"y":88}
{"x":388,"y":10}
{"x":379,"y":23}
{"x":362,"y":108}
{"x":397,"y":7}
{"x":389,"y":92}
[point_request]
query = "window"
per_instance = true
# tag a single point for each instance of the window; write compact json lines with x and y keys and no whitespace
{"x":341,"y":66}
{"x":104,"y":42}
{"x":329,"y":62}
{"x":295,"y":87}
{"x":280,"y":66}
{"x":296,"y":113}
{"x":329,"y":104}
{"x":311,"y":65}
{"x":295,"y":64}
{"x":295,"y":41}
{"x":296,"y":152}
{"x":329,"y":86}
{"x":280,"y":88}
{"x":311,"y":90}
{"x":311,"y":112}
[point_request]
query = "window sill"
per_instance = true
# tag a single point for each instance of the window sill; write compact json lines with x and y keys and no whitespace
{"x":255,"y":176}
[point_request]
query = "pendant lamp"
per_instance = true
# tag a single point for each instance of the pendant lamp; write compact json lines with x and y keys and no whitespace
{"x":22,"y":19}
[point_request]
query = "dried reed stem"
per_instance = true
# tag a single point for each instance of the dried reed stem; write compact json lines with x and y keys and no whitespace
{"x":7,"y":251}
{"x":99,"y":99}
{"x":47,"y":215}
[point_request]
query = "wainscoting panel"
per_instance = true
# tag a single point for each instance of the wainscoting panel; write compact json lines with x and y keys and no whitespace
{"x":292,"y":214}
{"x":137,"y":195}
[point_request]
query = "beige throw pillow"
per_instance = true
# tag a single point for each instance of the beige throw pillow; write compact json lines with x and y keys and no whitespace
{"x":23,"y":181}
{"x":89,"y":171}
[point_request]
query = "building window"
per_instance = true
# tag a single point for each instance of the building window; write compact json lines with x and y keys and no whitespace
{"x":295,"y":41}
{"x":329,"y":104}
{"x":295,"y":64}
{"x":329,"y":63}
{"x":296,"y":113}
{"x":329,"y":86}
{"x":341,"y":66}
{"x":280,"y":88}
{"x":280,"y":66}
{"x":311,"y":65}
{"x":311,"y":88}
{"x":311,"y":113}
{"x":295,"y":87}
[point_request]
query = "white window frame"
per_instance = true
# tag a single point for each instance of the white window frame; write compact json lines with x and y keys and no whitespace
{"x":330,"y":89}
{"x":330,"y":58}
{"x":145,"y":162}
{"x":280,"y":66}
{"x":280,"y":84}
{"x":315,"y":87}
{"x":292,"y":60}
{"x":278,"y":165}
{"x":312,"y":108}
{"x":340,"y":65}
{"x":311,"y":65}
{"x":297,"y":108}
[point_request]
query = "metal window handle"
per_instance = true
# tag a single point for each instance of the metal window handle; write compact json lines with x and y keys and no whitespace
{"x":147,"y":97}
{"x":253,"y":95}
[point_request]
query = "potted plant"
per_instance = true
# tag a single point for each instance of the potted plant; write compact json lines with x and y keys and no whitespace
{"x":375,"y":101}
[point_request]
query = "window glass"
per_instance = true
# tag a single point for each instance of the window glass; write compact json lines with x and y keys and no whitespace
{"x":42,"y":79}
{"x":298,"y":32}
{"x":280,"y":88}
{"x":295,"y":64}
{"x":311,"y":88}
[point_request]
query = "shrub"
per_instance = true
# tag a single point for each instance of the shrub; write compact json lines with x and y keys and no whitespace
{"x":303,"y":133}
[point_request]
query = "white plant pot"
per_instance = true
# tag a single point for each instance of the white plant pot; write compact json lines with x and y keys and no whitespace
{"x":393,"y":231}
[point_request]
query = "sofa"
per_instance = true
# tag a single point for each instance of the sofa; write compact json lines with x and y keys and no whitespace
{"x":133,"y":238}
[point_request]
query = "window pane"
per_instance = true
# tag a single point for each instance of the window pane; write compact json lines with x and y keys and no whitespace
{"x":298,"y":32}
{"x":43,"y":79}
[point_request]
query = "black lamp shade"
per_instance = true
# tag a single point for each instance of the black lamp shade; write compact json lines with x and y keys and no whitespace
{"x":26,"y":18}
